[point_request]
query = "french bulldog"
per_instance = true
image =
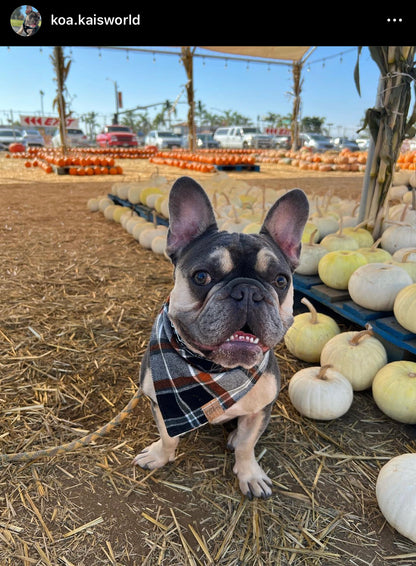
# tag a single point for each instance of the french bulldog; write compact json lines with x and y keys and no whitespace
{"x":210,"y":357}
{"x":31,"y":22}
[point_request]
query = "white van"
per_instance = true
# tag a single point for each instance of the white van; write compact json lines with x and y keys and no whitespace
{"x":241,"y":137}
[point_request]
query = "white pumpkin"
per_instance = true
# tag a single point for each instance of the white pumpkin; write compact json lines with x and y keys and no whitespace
{"x":159,"y":244}
{"x":408,"y":253}
{"x":374,"y":286}
{"x":374,"y":254}
{"x":310,"y":255}
{"x":339,"y":241}
{"x":335,"y":268}
{"x":309,"y":333}
{"x":140,"y":227}
{"x":92,"y":204}
{"x":326,"y":222}
{"x":309,"y":229}
{"x":398,"y":236}
{"x":320,"y":393}
{"x":396,"y":494}
{"x":404,"y":307}
{"x":358,"y":355}
{"x":146,"y":237}
{"x":397,"y":192}
{"x":363,"y":236}
{"x":394,"y":391}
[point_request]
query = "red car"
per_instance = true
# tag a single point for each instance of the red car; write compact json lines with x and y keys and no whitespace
{"x":117,"y":136}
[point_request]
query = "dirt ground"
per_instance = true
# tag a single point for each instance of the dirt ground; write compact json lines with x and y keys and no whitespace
{"x":79,"y":296}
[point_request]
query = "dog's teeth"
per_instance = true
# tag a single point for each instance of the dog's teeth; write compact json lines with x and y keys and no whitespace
{"x":243,"y":338}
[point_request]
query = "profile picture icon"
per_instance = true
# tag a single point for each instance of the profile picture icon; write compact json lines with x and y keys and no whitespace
{"x":25,"y":20}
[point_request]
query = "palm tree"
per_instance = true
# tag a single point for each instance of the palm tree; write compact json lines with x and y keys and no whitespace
{"x":90,"y":123}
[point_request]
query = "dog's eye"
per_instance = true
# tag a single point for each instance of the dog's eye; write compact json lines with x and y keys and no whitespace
{"x":281,"y":282}
{"x":201,"y":278}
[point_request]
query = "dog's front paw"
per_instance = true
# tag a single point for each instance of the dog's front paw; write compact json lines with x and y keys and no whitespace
{"x":253,"y":480}
{"x":154,"y":456}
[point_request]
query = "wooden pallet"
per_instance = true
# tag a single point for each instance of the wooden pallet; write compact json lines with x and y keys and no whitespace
{"x":144,"y":211}
{"x":399,"y":342}
{"x":238,"y":167}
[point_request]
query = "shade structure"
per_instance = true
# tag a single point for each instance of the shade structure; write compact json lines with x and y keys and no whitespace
{"x":287,"y":53}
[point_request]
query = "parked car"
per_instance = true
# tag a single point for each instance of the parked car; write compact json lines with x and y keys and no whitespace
{"x":316,"y":142}
{"x":202,"y":141}
{"x":345,"y":143}
{"x":241,"y":137}
{"x":74,"y":138}
{"x":363,"y":143}
{"x":163,"y":139}
{"x":284,"y":142}
{"x":33,"y":138}
{"x":117,"y":136}
{"x":9,"y":135}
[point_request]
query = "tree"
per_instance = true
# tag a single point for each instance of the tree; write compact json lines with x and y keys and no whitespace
{"x":312,"y":125}
{"x":62,"y":66}
{"x":90,"y":123}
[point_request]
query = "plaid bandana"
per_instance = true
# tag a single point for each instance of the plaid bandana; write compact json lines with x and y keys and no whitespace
{"x":190,"y":389}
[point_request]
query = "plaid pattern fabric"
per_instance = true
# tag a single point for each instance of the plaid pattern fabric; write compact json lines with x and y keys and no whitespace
{"x":190,"y":389}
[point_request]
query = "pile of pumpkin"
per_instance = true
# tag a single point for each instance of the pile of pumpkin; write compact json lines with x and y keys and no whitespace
{"x":305,"y":159}
{"x":378,"y":275}
{"x":78,"y":161}
{"x":239,"y":206}
{"x":204,"y":161}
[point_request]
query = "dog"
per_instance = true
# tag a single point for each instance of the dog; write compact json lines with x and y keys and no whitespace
{"x":30,"y":24}
{"x":210,"y":356}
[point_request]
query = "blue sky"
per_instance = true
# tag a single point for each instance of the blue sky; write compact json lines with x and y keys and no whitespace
{"x":252,"y":89}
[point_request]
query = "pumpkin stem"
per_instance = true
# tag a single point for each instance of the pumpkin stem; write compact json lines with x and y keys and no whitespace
{"x":235,"y":213}
{"x":312,"y":310}
{"x":340,"y":233}
{"x":359,"y":335}
{"x":226,"y":198}
{"x":322,"y":372}
{"x":404,"y":212}
{"x":406,"y":255}
{"x":312,"y":237}
{"x":360,"y":225}
{"x":376,"y":244}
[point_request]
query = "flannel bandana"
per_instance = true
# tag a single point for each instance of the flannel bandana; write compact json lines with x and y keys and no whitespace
{"x":190,"y":389}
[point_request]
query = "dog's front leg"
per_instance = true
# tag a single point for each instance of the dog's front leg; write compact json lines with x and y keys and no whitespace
{"x":252,"y":479}
{"x":160,"y":452}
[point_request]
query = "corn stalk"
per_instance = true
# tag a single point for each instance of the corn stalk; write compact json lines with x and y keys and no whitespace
{"x":297,"y":89}
{"x":187,"y":56}
{"x":388,"y":126}
{"x":61,"y":67}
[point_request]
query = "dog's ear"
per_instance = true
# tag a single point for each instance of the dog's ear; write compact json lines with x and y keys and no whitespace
{"x":285,"y":223}
{"x":190,"y":214}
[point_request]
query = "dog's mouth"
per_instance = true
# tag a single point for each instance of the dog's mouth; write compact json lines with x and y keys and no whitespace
{"x":241,"y":337}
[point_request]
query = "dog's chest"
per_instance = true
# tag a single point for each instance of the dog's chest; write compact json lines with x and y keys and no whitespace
{"x":262,"y":394}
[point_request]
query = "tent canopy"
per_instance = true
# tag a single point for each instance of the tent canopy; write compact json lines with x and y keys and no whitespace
{"x":285,"y":53}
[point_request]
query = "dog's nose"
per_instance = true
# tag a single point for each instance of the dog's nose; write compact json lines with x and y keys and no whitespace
{"x":247,"y":289}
